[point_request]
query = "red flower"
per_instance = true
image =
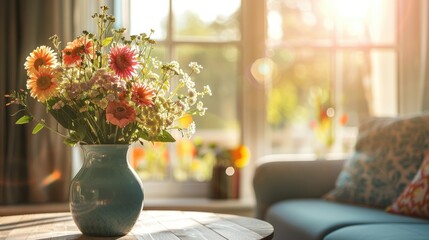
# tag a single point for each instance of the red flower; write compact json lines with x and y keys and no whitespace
{"x":142,"y":95}
{"x":75,"y":51}
{"x":120,"y":114}
{"x":122,"y":61}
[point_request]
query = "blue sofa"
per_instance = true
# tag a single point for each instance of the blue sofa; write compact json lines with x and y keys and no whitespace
{"x":289,"y":196}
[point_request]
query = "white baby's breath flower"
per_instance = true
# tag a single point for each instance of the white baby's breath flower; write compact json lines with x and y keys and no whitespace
{"x":156,"y":63}
{"x":153,"y":76}
{"x":207,"y":90}
{"x":190,"y":84}
{"x":203,"y":112}
{"x":195,"y":67}
{"x":201,"y":109}
{"x":200,"y":106}
{"x":190,"y":130}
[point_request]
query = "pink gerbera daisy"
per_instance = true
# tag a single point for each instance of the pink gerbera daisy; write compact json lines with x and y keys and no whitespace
{"x":142,"y":95}
{"x":123,"y":61}
{"x":120,"y":114}
{"x":75,"y":51}
{"x":43,"y":83}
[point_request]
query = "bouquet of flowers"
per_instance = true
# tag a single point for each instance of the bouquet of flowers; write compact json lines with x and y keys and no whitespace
{"x":105,"y":89}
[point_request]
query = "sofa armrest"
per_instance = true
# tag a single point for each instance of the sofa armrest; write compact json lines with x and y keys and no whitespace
{"x":277,"y":179}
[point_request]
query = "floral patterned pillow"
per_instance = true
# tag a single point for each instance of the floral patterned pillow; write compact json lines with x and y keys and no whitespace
{"x":387,"y":154}
{"x":414,"y":200}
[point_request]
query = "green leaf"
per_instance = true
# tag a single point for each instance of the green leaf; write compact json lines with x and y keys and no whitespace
{"x":70,"y":141}
{"x":24,"y":120}
{"x":37,"y":128}
{"x":106,"y":41}
{"x":65,"y":116}
{"x":165,"y":137}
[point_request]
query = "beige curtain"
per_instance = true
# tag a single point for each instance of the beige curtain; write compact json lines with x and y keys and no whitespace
{"x":413,"y":37}
{"x":33,"y":168}
{"x":424,"y":83}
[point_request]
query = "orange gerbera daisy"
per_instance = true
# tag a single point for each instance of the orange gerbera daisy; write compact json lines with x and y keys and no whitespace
{"x":41,"y":56}
{"x":43,"y":83}
{"x":75,"y":52}
{"x":120,"y":114}
{"x":122,"y":61}
{"x":142,"y":95}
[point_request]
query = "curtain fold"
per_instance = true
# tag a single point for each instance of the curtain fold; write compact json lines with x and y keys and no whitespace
{"x":413,"y":37}
{"x":33,"y":168}
{"x":424,"y":86}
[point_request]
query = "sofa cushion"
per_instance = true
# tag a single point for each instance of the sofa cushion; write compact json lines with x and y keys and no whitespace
{"x":391,"y":231}
{"x":414,"y":200}
{"x":387,"y":154}
{"x":310,"y":219}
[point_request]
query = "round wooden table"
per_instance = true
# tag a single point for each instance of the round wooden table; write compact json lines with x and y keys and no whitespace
{"x":152,"y":224}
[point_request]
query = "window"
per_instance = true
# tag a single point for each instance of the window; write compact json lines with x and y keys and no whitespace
{"x":333,"y":63}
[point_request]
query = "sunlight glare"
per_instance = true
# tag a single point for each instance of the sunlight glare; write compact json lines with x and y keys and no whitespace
{"x":207,"y":11}
{"x":263,"y":70}
{"x":352,"y":10}
{"x":275,"y":22}
{"x":143,"y":19}
{"x":54,"y":176}
{"x":230,"y":171}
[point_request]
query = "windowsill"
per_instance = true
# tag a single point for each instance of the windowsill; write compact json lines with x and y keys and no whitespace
{"x":241,"y":207}
{"x":244,"y":207}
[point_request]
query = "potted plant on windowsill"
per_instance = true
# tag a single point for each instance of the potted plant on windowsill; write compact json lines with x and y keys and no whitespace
{"x":108,"y":92}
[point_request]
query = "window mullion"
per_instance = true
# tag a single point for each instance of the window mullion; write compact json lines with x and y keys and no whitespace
{"x":170,"y":43}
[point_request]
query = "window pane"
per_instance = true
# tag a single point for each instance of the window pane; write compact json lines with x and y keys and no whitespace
{"x":144,"y":18}
{"x":150,"y":161}
{"x":181,"y":161}
{"x":353,"y":21}
{"x":354,"y":93}
{"x":368,"y":80}
{"x":383,"y":82}
{"x":220,"y":65}
{"x":344,"y":77}
{"x":302,"y":75}
{"x":204,"y":18}
{"x":294,"y":20}
{"x":365,"y":21}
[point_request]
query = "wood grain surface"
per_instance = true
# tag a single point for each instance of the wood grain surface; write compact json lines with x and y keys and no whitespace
{"x":163,"y":225}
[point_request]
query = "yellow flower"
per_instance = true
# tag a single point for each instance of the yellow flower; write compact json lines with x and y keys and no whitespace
{"x":185,"y":121}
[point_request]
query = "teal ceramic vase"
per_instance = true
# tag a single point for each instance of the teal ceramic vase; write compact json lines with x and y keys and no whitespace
{"x":106,"y":195}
